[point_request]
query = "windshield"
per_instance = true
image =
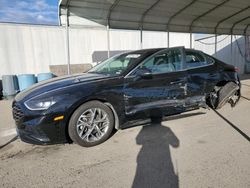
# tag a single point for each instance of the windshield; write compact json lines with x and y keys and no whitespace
{"x":115,"y":65}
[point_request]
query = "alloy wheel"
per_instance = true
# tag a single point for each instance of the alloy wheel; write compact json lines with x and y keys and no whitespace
{"x":92,"y":124}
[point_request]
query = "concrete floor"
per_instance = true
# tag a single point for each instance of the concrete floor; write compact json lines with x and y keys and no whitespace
{"x":202,"y":148}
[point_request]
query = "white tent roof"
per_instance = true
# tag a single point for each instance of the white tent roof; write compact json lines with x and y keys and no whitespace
{"x":198,"y":16}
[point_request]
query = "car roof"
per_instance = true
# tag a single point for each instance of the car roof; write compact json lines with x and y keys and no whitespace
{"x":150,"y":50}
{"x":154,"y":50}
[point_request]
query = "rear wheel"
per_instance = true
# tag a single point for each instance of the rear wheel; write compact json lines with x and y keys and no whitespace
{"x":91,"y":124}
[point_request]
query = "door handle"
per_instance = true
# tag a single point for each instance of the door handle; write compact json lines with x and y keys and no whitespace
{"x":212,"y":74}
{"x":177,"y":82}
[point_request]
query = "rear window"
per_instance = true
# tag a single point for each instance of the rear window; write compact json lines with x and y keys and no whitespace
{"x":197,"y":59}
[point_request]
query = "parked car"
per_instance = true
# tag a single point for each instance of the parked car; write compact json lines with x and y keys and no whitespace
{"x":119,"y":92}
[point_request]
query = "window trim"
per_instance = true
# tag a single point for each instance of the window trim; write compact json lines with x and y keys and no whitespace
{"x":182,"y":50}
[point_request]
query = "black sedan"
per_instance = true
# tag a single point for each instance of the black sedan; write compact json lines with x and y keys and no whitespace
{"x":121,"y":91}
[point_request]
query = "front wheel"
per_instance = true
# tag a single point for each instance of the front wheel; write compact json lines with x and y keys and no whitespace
{"x":91,"y":124}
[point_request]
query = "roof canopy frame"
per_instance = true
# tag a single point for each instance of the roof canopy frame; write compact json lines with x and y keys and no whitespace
{"x":178,"y":12}
{"x":245,"y":30}
{"x":205,"y":13}
{"x":112,"y":7}
{"x":239,"y":21}
{"x":146,"y":12}
{"x":185,"y":22}
{"x":227,"y":18}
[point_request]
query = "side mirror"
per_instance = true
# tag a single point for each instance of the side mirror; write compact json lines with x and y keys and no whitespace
{"x":147,"y":76}
{"x":144,"y":73}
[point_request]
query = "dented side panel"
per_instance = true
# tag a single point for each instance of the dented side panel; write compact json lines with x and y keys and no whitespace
{"x":230,"y":77}
{"x":163,"y":94}
{"x":173,"y":93}
{"x":200,"y":83}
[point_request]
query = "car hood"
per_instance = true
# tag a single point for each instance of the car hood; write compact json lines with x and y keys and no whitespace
{"x":58,"y":82}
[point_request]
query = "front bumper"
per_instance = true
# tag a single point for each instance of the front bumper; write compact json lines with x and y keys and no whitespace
{"x":31,"y":138}
{"x":39,"y":129}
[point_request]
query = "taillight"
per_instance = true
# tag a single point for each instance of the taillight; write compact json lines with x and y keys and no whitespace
{"x":236,"y":69}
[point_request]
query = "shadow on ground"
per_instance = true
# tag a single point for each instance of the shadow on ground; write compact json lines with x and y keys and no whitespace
{"x":154,"y":164}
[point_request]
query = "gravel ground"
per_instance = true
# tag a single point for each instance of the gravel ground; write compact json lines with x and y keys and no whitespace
{"x":202,"y":148}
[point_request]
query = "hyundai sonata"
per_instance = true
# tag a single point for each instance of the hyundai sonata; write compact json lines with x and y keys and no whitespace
{"x":120,"y":91}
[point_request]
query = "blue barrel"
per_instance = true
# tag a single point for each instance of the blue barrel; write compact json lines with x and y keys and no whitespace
{"x":10,"y":85}
{"x":44,"y":76}
{"x":26,"y":80}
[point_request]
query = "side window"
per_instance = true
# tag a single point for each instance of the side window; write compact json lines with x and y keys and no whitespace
{"x":195,"y":59}
{"x":164,"y":62}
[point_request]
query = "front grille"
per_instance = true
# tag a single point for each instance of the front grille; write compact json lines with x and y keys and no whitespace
{"x":17,"y":113}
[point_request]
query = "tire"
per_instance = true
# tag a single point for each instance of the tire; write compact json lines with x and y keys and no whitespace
{"x":87,"y":134}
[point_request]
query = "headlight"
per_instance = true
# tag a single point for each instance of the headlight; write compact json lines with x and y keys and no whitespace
{"x":40,"y":104}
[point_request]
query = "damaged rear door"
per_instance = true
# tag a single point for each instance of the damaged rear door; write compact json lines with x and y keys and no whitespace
{"x":202,"y":77}
{"x":157,"y":86}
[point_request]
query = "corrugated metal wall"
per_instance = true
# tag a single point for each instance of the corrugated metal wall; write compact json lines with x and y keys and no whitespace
{"x":31,"y":49}
{"x":224,"y":49}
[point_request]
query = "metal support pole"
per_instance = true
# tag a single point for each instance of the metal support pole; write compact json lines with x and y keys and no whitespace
{"x":108,"y":41}
{"x":168,"y":40}
{"x":215,"y":45}
{"x":67,"y":40}
{"x":141,"y":42}
{"x":191,"y":40}
{"x":245,"y":55}
{"x":245,"y":46}
{"x":231,"y":50}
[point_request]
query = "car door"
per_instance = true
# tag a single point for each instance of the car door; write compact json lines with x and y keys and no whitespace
{"x":202,"y":74}
{"x":161,"y":89}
